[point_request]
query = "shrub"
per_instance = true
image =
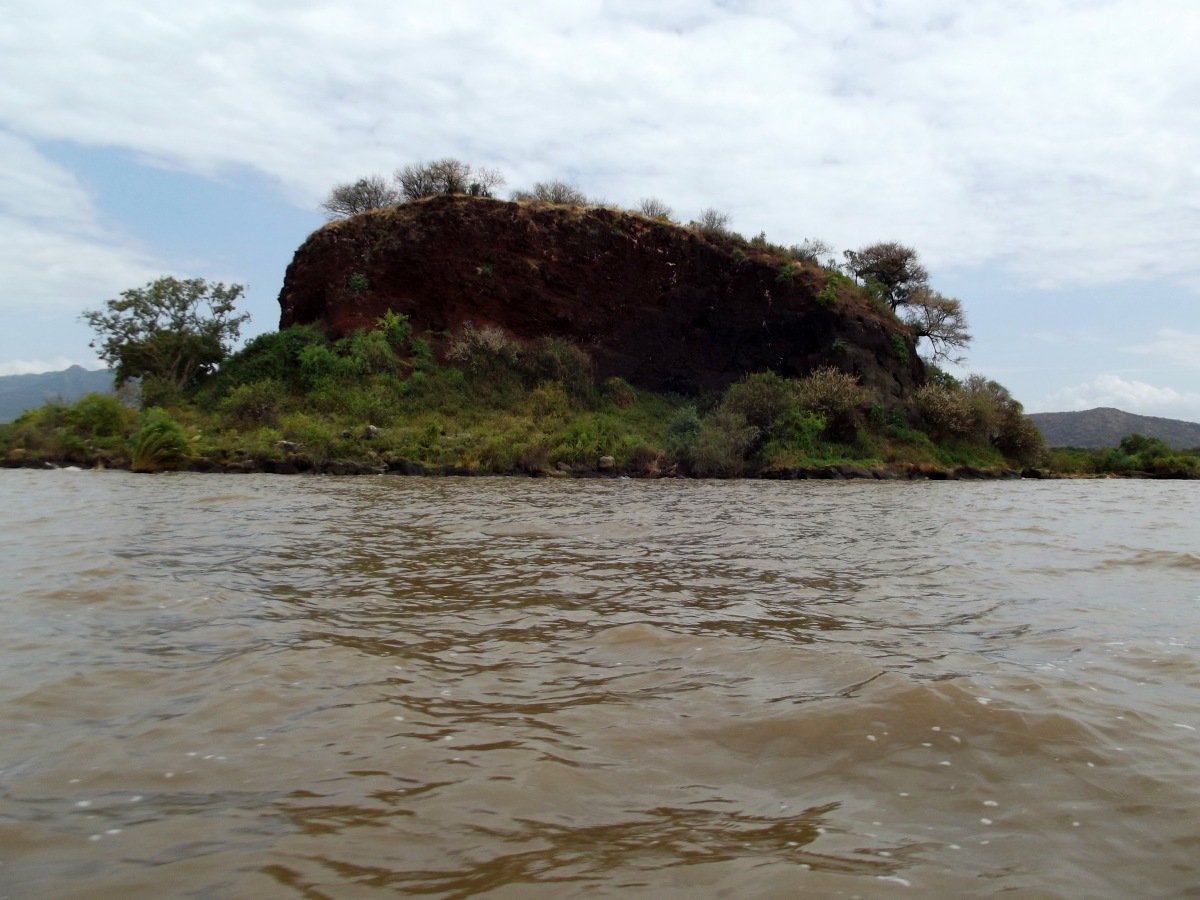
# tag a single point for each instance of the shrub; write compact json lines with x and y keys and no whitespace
{"x":98,"y":416}
{"x":558,"y":359}
{"x":760,"y":399}
{"x":786,"y":276}
{"x":396,"y":329}
{"x":794,"y":437}
{"x":945,"y":409}
{"x":836,"y":395}
{"x":549,"y":401}
{"x":159,"y":444}
{"x":483,"y":349}
{"x":830,"y":391}
{"x":900,"y":347}
{"x":619,"y":392}
{"x":275,"y":355}
{"x":257,"y":403}
{"x":682,"y":428}
{"x":358,"y":282}
{"x":721,"y":445}
{"x":367,"y":353}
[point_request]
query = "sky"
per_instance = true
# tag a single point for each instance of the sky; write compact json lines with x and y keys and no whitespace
{"x":1042,"y":156}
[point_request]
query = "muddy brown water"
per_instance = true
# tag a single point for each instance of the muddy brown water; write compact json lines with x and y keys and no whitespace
{"x":259,"y":686}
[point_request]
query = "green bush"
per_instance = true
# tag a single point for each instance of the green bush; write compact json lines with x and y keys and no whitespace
{"x":558,"y":359}
{"x":99,"y":416}
{"x":396,"y":329}
{"x":682,"y":428}
{"x":760,"y":399}
{"x":275,"y":355}
{"x":257,"y":403}
{"x":619,"y":392}
{"x":721,"y":445}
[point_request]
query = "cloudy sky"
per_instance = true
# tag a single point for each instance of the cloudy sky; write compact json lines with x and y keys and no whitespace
{"x":1043,"y":157}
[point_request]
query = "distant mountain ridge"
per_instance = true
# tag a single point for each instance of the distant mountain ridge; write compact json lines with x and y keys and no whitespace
{"x":1105,"y":426}
{"x":21,"y":392}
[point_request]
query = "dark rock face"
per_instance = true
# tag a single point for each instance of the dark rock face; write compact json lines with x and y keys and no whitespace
{"x":662,"y":306}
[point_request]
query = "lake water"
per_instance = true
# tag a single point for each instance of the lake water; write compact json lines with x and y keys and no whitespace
{"x":258,"y":686}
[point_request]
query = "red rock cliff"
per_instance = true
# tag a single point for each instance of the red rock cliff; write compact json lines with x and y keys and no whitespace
{"x":662,"y":306}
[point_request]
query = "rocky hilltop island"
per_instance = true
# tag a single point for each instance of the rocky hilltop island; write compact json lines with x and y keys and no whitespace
{"x":666,"y":307}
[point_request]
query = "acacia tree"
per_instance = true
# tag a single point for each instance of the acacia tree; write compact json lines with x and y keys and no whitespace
{"x":896,"y":269}
{"x":941,"y":321}
{"x":170,"y":333}
{"x":352,"y":198}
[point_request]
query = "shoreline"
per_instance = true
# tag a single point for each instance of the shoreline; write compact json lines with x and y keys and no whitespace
{"x":412,"y":469}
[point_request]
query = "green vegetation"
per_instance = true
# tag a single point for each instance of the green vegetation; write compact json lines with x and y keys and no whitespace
{"x":294,"y":401}
{"x":1135,"y":455}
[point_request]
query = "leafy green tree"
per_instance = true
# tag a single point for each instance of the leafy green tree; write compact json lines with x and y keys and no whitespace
{"x":170,"y":333}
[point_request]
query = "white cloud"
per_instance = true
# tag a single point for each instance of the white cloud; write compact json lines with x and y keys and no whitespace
{"x":1058,"y":138}
{"x":1178,"y":347}
{"x":55,"y":248}
{"x":54,"y":364}
{"x":1111,"y":390}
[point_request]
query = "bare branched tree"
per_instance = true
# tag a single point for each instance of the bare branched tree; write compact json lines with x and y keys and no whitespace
{"x":713,"y":221}
{"x":415,"y":181}
{"x":655,"y":208}
{"x":895,"y":268}
{"x":554,"y":191}
{"x":352,"y":198}
{"x":445,"y":176}
{"x":813,"y":250}
{"x":485,"y":182}
{"x":939,"y":319}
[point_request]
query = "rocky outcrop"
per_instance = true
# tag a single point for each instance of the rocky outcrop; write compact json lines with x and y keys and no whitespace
{"x":665,"y":307}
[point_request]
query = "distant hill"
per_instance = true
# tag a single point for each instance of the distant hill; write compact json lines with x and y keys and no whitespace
{"x":21,"y":392}
{"x":1105,"y":426}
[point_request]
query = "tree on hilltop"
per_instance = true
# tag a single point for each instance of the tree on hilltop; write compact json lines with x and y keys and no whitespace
{"x":352,"y":198}
{"x":446,"y":176}
{"x":896,"y":269}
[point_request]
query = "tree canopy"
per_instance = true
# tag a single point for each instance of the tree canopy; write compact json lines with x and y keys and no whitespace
{"x":896,"y":270}
{"x":170,"y":333}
